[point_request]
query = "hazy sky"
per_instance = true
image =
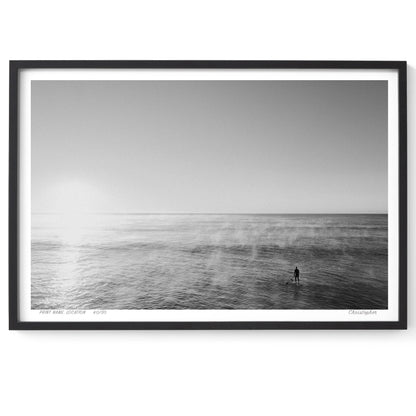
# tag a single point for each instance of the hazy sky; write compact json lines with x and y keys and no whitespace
{"x":209,"y":146}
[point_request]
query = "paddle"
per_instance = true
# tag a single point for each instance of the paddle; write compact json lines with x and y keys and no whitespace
{"x":291,"y":279}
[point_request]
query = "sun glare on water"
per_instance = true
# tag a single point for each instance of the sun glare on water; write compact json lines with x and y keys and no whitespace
{"x":73,"y":202}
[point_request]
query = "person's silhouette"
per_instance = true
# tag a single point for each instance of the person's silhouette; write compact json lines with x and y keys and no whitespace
{"x":296,"y":274}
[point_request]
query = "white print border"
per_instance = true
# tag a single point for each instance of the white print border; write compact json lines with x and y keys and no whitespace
{"x":26,"y":314}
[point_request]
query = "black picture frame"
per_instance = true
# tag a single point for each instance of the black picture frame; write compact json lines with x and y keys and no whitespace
{"x":16,"y":66}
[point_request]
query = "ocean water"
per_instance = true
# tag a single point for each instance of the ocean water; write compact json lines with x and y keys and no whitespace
{"x":208,"y":261}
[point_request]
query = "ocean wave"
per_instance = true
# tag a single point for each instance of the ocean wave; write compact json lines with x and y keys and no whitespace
{"x":222,"y":262}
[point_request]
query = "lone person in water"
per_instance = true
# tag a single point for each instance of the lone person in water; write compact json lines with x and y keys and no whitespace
{"x":296,"y":274}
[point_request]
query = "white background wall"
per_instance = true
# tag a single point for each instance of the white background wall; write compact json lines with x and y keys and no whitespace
{"x":206,"y":373}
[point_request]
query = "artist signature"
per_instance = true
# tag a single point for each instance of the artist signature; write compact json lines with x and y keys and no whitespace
{"x":362,"y":312}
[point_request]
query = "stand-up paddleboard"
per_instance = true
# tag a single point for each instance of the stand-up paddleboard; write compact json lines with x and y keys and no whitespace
{"x":292,"y":282}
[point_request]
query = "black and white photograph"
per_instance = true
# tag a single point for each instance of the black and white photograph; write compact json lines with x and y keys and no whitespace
{"x":211,"y":208}
{"x":216,"y":195}
{"x":209,"y":195}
